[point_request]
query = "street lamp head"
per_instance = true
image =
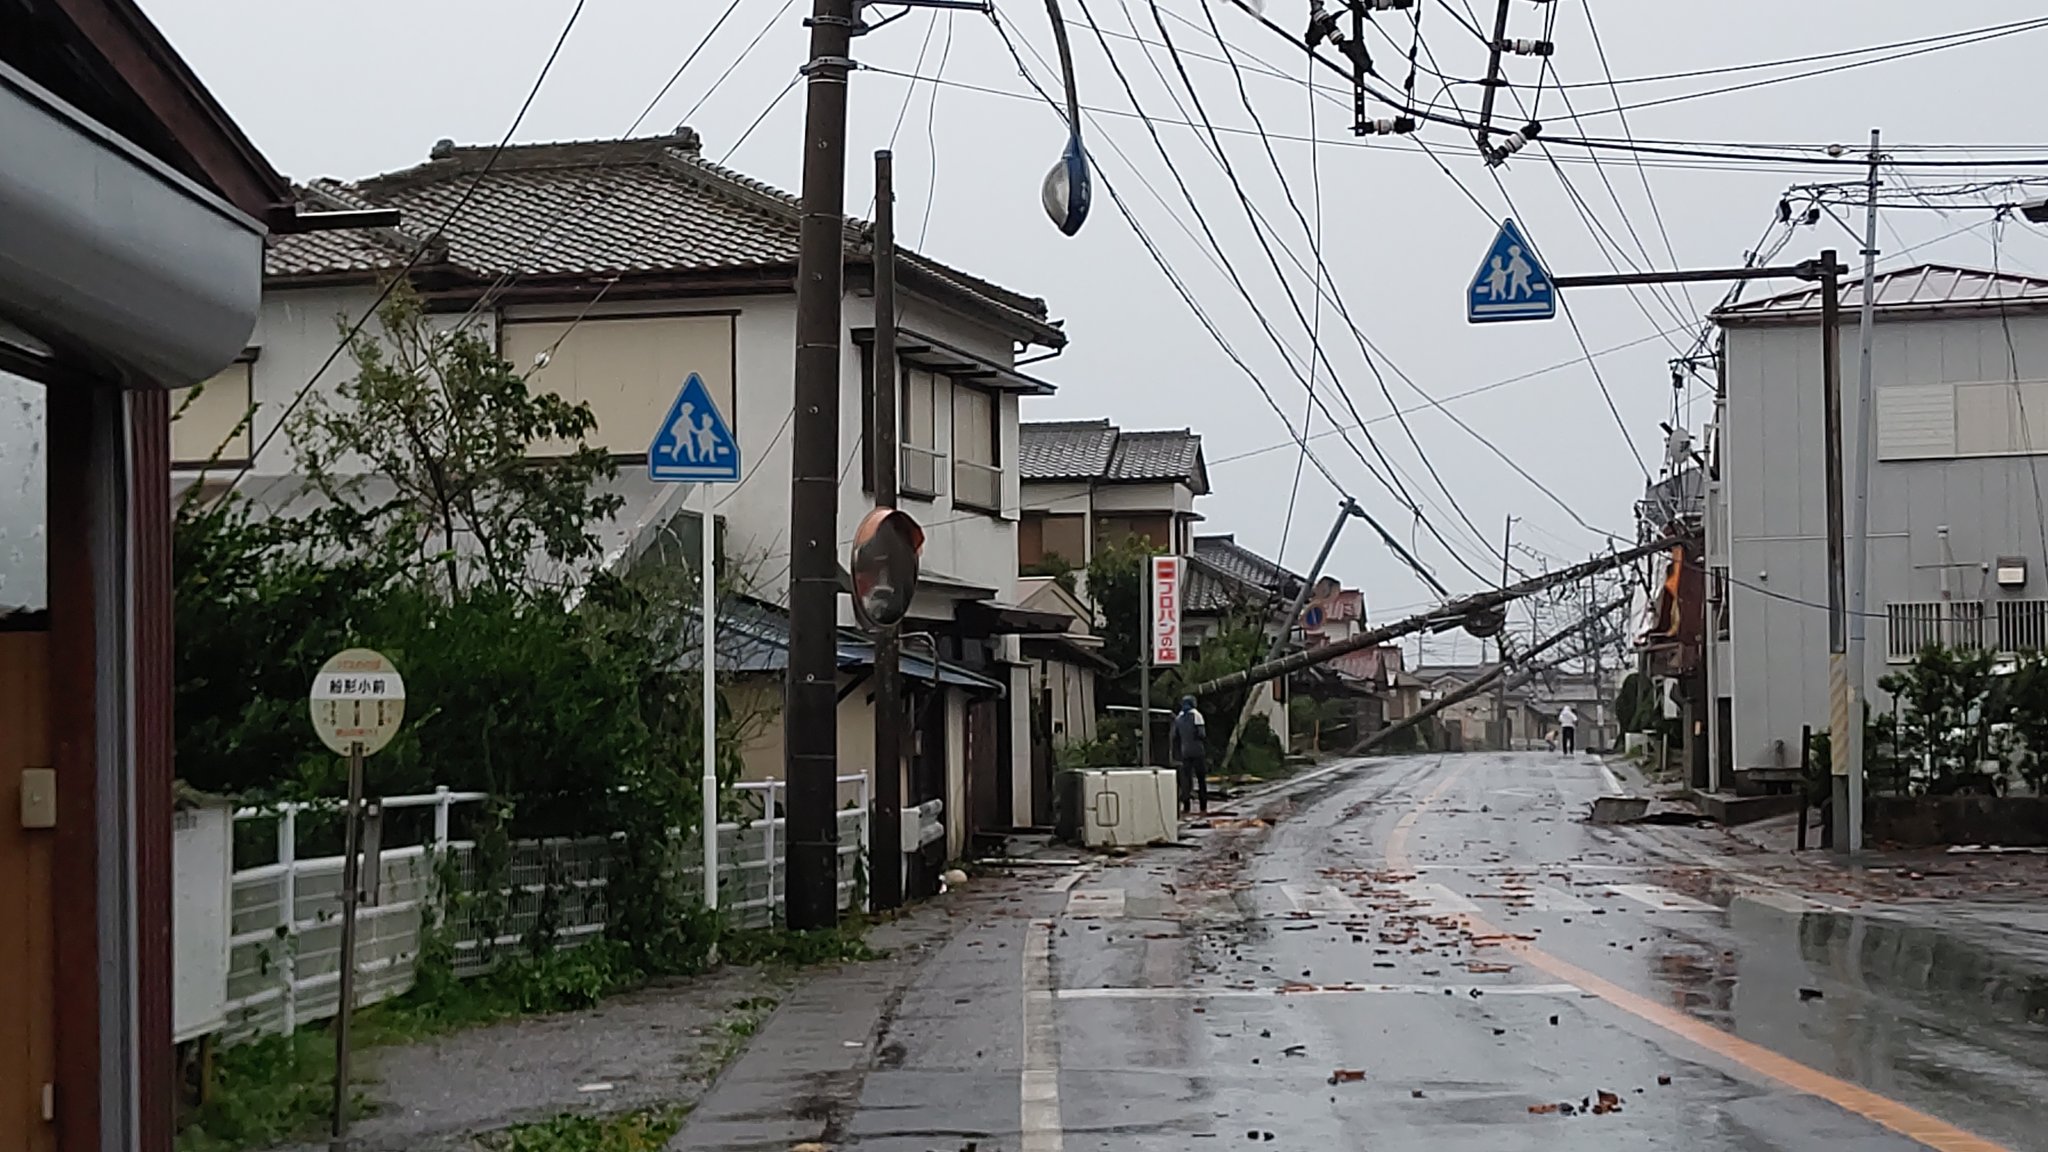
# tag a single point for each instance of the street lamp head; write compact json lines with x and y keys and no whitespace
{"x":1066,"y":190}
{"x":2035,"y":210}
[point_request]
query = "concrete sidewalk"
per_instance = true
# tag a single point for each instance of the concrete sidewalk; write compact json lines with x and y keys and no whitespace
{"x":800,"y":1080}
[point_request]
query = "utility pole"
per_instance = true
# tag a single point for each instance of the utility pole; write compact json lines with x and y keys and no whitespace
{"x":885,"y":863}
{"x":811,"y":753}
{"x":1851,"y":747}
{"x":1838,"y":635}
{"x":1500,"y":693}
{"x":1345,"y":511}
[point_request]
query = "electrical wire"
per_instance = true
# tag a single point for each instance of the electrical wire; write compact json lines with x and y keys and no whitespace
{"x":432,"y":239}
{"x":931,"y":190}
{"x":1368,"y":350}
{"x":1316,"y":252}
{"x":772,"y":105}
{"x":1236,"y":279}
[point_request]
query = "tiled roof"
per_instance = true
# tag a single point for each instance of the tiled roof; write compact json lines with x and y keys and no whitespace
{"x":1157,"y":456}
{"x":1926,"y":288}
{"x":1065,"y":449}
{"x":1225,"y":553}
{"x":595,"y":208}
{"x":1098,"y":450}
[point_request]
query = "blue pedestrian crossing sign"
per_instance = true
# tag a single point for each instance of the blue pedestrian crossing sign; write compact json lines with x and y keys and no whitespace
{"x":1511,"y":283}
{"x":694,"y":444}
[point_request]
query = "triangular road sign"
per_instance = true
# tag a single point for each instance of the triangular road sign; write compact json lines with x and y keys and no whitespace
{"x":694,"y":445}
{"x":1511,"y":283}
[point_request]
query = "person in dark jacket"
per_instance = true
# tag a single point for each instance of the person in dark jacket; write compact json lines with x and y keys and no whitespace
{"x":1189,"y":754}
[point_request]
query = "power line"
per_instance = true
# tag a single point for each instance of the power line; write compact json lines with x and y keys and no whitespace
{"x":1368,"y":350}
{"x":1316,"y":253}
{"x":432,"y":239}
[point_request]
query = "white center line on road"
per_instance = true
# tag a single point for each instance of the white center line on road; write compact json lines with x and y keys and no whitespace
{"x":1039,"y":1123}
{"x":1319,"y":990}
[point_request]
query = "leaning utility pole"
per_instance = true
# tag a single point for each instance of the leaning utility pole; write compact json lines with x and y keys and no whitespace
{"x":885,"y":846}
{"x":1345,"y":512}
{"x":1452,"y":614}
{"x":1498,"y":676}
{"x":811,"y":752}
{"x":1850,"y":750}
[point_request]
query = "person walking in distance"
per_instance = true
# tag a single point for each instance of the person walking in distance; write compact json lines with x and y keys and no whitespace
{"x":1568,"y":731}
{"x":1189,"y":755}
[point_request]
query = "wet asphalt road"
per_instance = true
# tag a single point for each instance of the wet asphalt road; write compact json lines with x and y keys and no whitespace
{"x":1473,"y":965}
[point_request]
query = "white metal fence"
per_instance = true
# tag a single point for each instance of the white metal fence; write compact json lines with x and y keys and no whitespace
{"x":285,"y":929}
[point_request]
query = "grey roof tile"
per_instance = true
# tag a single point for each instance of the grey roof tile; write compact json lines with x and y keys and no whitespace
{"x":1065,"y":449}
{"x":1156,"y":456}
{"x":1098,"y":450}
{"x":1227,"y":555}
{"x":584,"y":208}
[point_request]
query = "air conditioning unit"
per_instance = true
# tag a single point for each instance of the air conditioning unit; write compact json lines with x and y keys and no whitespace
{"x":1124,"y":807}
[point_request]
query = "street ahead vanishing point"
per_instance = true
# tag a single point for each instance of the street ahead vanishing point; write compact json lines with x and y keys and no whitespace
{"x":695,"y":444}
{"x":1511,"y":283}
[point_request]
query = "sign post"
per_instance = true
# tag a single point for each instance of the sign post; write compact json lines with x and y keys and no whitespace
{"x":694,"y":445}
{"x":357,"y":704}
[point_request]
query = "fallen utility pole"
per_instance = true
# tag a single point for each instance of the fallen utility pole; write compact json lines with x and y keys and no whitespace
{"x":1497,"y":676}
{"x":1345,"y":512}
{"x":1447,"y":616}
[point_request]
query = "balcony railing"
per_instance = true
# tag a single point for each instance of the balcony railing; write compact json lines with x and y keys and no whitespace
{"x":978,"y":485}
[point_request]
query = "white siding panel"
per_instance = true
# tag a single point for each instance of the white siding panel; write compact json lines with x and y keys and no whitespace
{"x":1916,"y":421}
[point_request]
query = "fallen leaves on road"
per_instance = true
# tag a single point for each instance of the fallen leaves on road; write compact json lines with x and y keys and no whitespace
{"x":1605,"y":1102}
{"x":1663,"y":1079}
{"x":1487,"y":968}
{"x":1810,"y":994}
{"x":1544,"y":1109}
{"x":1346,"y":1076}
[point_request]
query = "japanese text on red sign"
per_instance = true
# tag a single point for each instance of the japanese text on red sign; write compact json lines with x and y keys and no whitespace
{"x":1166,"y":609}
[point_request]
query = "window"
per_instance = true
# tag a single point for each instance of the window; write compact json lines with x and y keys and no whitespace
{"x":2022,"y":625}
{"x":211,"y":421}
{"x":1914,"y":624}
{"x":1945,"y":421}
{"x":977,"y":477}
{"x":1041,"y":538}
{"x":918,"y":474}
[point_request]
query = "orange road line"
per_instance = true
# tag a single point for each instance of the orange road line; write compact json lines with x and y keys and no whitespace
{"x":1907,"y":1121}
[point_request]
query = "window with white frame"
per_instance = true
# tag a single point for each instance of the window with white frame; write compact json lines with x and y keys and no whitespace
{"x":919,"y":471}
{"x":1912,"y":625}
{"x":977,"y":471}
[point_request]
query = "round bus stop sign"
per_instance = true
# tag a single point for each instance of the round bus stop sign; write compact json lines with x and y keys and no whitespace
{"x":357,"y":699}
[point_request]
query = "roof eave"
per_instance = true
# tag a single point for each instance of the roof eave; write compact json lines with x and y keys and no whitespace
{"x":1738,"y":318}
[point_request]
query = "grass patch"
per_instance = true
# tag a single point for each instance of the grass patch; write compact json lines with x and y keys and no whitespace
{"x":265,"y":1092}
{"x":781,"y":947}
{"x":647,"y":1130}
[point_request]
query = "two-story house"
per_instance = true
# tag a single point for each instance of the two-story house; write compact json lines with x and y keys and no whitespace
{"x":1087,"y":484}
{"x":612,"y":270}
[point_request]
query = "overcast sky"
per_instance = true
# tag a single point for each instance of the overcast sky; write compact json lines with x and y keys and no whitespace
{"x":351,"y":90}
